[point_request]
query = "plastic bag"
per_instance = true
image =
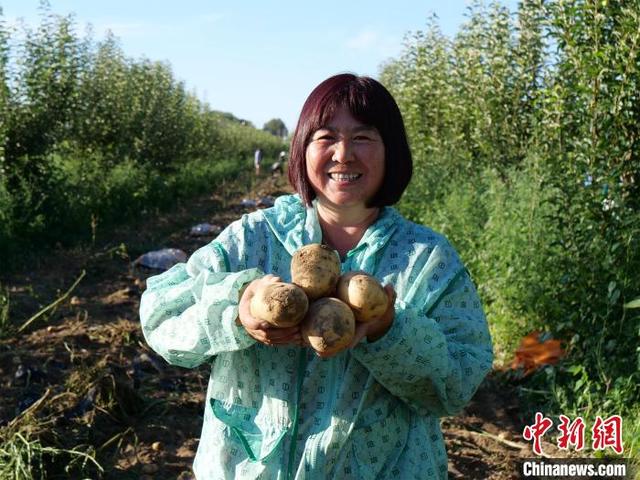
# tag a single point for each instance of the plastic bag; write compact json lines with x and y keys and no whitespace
{"x":203,"y":229}
{"x":267,"y":201}
{"x":161,"y":259}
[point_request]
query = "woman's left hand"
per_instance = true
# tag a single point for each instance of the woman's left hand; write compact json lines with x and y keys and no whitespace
{"x":377,"y":328}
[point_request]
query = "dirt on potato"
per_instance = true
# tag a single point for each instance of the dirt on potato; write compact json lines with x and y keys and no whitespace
{"x":280,"y":304}
{"x":316,"y":269}
{"x":329,"y":325}
{"x":81,"y":376}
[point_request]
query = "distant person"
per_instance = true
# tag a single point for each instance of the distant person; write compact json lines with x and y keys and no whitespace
{"x":274,"y":409}
{"x":257,"y":160}
{"x":278,"y":166}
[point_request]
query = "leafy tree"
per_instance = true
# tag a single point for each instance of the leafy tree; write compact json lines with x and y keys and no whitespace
{"x":5,"y":199}
{"x":102,"y":98}
{"x":46,"y":86}
{"x":88,"y":135}
{"x":525,"y":131}
{"x":276,"y":127}
{"x":233,"y":118}
{"x":4,"y":88}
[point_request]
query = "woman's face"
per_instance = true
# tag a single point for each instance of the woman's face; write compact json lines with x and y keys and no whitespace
{"x":345,"y":161}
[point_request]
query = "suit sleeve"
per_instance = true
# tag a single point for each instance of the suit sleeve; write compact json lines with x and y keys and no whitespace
{"x":438,"y":349}
{"x":189,"y":312}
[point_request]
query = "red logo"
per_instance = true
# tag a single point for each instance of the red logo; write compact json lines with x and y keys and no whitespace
{"x":571,"y":433}
{"x":605,"y":433}
{"x":536,"y":431}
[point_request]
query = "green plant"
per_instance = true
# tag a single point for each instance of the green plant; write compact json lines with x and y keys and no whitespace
{"x":25,"y":458}
{"x":5,"y":304}
{"x":30,"y":450}
{"x":89,"y":137}
{"x":530,"y":167}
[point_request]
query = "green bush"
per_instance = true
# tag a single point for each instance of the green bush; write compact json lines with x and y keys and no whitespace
{"x":531,"y":168}
{"x":89,"y":137}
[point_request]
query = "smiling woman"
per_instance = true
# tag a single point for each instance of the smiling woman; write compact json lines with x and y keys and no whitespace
{"x":350,"y":152}
{"x":277,"y":409}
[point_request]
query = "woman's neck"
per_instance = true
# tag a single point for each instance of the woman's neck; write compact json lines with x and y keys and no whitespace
{"x":343,"y":228}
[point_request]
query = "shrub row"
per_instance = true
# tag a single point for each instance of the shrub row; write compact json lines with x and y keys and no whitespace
{"x":525,"y":129}
{"x":88,"y":134}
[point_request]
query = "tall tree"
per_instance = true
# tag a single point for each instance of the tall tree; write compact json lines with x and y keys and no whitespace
{"x":276,"y":127}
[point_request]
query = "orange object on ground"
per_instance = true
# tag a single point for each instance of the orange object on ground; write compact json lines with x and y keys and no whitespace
{"x":534,"y":352}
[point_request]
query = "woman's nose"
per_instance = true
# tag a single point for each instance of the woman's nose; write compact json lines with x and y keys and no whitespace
{"x":342,"y":152}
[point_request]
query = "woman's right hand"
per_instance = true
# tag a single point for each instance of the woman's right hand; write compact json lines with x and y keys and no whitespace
{"x":263,"y":331}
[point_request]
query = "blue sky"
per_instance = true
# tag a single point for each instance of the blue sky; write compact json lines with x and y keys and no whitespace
{"x":256,"y":59}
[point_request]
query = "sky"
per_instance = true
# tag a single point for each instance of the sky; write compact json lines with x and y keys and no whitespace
{"x":256,"y":59}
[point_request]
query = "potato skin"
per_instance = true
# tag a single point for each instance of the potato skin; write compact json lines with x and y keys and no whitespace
{"x":329,"y":325}
{"x":280,"y":304}
{"x":316,"y":269}
{"x":364,"y":294}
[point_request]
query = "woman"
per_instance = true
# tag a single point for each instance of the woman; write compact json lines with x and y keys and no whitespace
{"x":275,"y":409}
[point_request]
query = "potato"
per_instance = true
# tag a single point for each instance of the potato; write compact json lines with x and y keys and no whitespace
{"x":315,"y":268}
{"x":280,"y":304}
{"x":329,"y":325}
{"x":364,"y":294}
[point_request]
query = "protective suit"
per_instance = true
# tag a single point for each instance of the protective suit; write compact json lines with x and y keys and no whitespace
{"x":282,"y":412}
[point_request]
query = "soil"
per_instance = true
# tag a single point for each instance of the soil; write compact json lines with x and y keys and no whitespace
{"x":81,"y":376}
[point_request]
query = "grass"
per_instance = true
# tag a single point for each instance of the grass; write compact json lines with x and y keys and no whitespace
{"x":25,"y":458}
{"x":5,"y":304}
{"x":25,"y":455}
{"x":85,"y":205}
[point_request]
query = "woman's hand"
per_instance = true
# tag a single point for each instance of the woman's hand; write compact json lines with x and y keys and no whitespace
{"x":377,"y":328}
{"x":263,"y":331}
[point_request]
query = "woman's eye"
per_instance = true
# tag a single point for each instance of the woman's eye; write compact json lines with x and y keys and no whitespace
{"x":324,"y":136}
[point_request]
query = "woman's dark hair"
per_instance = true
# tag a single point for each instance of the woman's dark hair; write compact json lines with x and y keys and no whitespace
{"x":370,"y":103}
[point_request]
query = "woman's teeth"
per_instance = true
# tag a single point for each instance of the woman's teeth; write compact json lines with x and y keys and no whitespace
{"x":345,"y":177}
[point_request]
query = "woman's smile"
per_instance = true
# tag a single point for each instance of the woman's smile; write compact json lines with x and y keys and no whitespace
{"x":344,"y":178}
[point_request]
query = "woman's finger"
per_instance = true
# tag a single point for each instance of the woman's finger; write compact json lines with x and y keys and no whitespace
{"x":270,"y":335}
{"x":270,"y":278}
{"x":277,"y":332}
{"x":391,"y":294}
{"x":283,"y":335}
{"x":361,"y":332}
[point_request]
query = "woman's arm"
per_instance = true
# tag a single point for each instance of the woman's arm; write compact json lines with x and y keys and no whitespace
{"x":189,"y":312}
{"x":438,"y":348}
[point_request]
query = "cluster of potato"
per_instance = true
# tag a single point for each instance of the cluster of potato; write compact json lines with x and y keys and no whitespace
{"x":326,"y":304}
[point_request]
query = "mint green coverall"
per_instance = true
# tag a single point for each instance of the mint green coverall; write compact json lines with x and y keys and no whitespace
{"x":372,"y":412}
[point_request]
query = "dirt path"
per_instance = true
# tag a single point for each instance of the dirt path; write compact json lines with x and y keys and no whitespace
{"x":81,"y":376}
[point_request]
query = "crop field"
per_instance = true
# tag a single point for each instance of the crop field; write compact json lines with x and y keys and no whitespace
{"x":525,"y":134}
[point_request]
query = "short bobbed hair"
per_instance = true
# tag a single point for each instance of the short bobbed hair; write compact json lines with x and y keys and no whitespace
{"x":370,"y":103}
